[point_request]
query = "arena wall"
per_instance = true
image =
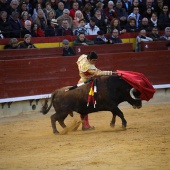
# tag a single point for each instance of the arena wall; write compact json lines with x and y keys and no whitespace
{"x":25,"y":82}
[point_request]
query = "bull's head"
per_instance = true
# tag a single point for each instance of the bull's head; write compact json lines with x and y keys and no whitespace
{"x":136,"y":101}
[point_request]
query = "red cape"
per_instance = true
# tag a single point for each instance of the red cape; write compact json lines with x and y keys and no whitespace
{"x":139,"y":82}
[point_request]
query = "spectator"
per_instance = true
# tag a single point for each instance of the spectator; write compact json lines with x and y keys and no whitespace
{"x":22,"y":7}
{"x":51,"y":29}
{"x":3,"y":5}
{"x":148,"y":13}
{"x":153,"y":22}
{"x":13,"y":7}
{"x":60,"y":9}
{"x":50,"y":15}
{"x":67,"y":50}
{"x":35,"y":11}
{"x":160,"y":4}
{"x":145,"y":25}
{"x":65,"y":16}
{"x":48,"y":9}
{"x":121,"y":13}
{"x":77,"y":18}
{"x":136,"y":3}
{"x":13,"y":44}
{"x":99,"y":7}
{"x":131,"y":25}
{"x":151,"y":4}
{"x":67,"y":4}
{"x":15,"y":24}
{"x":5,"y":26}
{"x":91,"y":27}
{"x":26,"y":29}
{"x":115,"y":24}
{"x":81,"y":40}
{"x":135,"y":14}
{"x":75,"y":7}
{"x":29,"y":6}
{"x":166,"y":36}
{"x":100,"y":21}
{"x":109,"y":11}
{"x":54,"y":4}
{"x":36,"y":31}
{"x":164,"y":18}
{"x":27,"y":42}
{"x":64,"y":29}
{"x":100,"y":39}
{"x":81,"y":28}
{"x":24,"y":17}
{"x":41,"y":20}
{"x":127,"y":6}
{"x":87,"y":12}
{"x":141,"y":38}
{"x":114,"y":39}
{"x":154,"y":34}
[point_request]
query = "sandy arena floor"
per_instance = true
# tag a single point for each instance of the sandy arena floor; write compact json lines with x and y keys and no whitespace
{"x":27,"y":142}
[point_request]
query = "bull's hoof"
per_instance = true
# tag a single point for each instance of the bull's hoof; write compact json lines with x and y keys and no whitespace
{"x":124,"y":126}
{"x":56,"y":132}
{"x":112,"y":125}
{"x":88,"y":128}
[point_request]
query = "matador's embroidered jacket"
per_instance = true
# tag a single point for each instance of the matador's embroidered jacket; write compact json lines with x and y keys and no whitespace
{"x":87,"y":70}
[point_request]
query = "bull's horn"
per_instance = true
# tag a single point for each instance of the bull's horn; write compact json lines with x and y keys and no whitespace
{"x":132,"y":95}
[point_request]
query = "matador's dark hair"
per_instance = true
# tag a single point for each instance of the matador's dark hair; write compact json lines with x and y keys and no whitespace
{"x":92,"y":55}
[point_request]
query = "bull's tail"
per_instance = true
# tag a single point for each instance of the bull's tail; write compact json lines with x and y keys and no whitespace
{"x":45,"y":108}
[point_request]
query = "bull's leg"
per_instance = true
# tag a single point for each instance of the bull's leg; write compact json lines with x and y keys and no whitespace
{"x":112,"y":123}
{"x":62,"y":124}
{"x":119,"y":113}
{"x":53,"y":123}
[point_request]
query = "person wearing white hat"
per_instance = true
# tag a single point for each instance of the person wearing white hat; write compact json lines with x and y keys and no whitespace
{"x":52,"y":29}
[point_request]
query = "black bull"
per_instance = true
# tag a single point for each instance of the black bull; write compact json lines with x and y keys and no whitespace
{"x":111,"y":91}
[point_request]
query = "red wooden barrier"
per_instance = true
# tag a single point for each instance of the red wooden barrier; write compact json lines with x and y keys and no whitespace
{"x":34,"y":76}
{"x":30,"y":53}
{"x":105,"y":48}
{"x":154,"y":45}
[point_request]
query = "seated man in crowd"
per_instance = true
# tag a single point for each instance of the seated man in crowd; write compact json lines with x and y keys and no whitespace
{"x":166,"y":36}
{"x":145,"y":25}
{"x":13,"y":44}
{"x":64,"y":29}
{"x":141,"y":38}
{"x":115,"y":37}
{"x":81,"y":40}
{"x":91,"y":27}
{"x":65,"y":16}
{"x":27,"y":42}
{"x":67,"y":50}
{"x":51,"y":29}
{"x":154,"y":34}
{"x":101,"y":39}
{"x":26,"y":29}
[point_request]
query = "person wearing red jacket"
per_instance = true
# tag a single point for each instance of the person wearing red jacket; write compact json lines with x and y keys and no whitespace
{"x":75,"y":7}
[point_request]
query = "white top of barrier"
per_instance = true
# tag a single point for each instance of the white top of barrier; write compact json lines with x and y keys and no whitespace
{"x":43,"y":96}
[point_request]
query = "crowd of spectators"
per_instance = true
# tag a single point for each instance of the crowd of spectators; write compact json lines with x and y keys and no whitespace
{"x":37,"y":17}
{"x":46,"y":18}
